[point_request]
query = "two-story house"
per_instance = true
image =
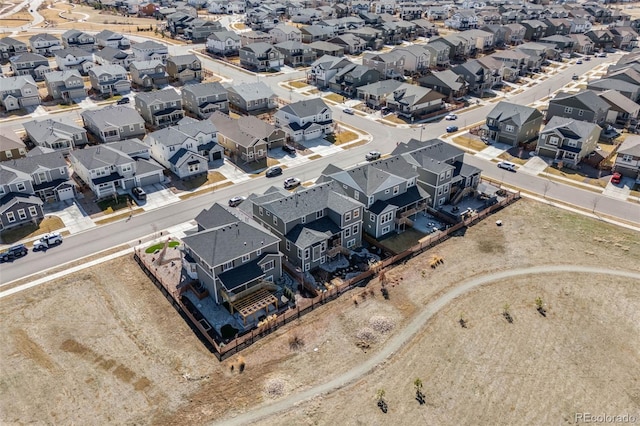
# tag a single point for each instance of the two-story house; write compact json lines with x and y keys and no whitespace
{"x":447,"y":82}
{"x":10,"y":47}
{"x":513,"y":124}
{"x":442,"y":172}
{"x":348,"y":79}
{"x":261,"y":57}
{"x":114,"y":123}
{"x":375,"y":94}
{"x":184,"y":68}
{"x":417,"y":58}
{"x":284,"y":32}
{"x":251,"y":97}
{"x":74,"y":58}
{"x":351,"y":43}
{"x":186,"y":148}
{"x":109,"y":79}
{"x":11,"y":146}
{"x":412,"y":101}
{"x":305,"y":120}
{"x":314,"y":225}
{"x":246,"y":139}
{"x":160,"y":108}
{"x":44,"y":44}
{"x":324,"y":68}
{"x":232,"y":257}
{"x":77,"y":38}
{"x":107,"y":170}
{"x":203,"y":99}
{"x":389,"y":64}
{"x":107,"y":38}
{"x":30,"y":64}
{"x":582,"y":106}
{"x":59,"y":134}
{"x":149,"y":74}
{"x":224,"y":43}
{"x":18,"y":92}
{"x":111,"y":56}
{"x":568,"y":141}
{"x":628,"y":159}
{"x":387,"y":188}
{"x":65,"y":85}
{"x":149,"y":50}
{"x":296,"y":54}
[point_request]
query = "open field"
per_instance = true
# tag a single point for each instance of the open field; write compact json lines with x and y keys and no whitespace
{"x":104,"y":346}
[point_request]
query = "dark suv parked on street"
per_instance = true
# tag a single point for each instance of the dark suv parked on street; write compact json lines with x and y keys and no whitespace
{"x":13,"y":252}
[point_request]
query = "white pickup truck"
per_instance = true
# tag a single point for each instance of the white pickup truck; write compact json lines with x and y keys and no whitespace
{"x":47,"y":241}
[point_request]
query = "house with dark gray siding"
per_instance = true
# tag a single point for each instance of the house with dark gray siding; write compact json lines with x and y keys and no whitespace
{"x":513,"y":124}
{"x":568,"y":141}
{"x":114,"y":123}
{"x":581,"y":106}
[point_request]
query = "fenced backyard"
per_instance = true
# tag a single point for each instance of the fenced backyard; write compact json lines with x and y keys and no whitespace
{"x":223,"y":350}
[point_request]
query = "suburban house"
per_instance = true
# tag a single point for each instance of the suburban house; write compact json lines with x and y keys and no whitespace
{"x":351,"y":43}
{"x":11,"y":146}
{"x":29,"y":64}
{"x":284,"y":32}
{"x":411,"y":101}
{"x":348,"y":79}
{"x":389,"y":64}
{"x":10,"y":47}
{"x":628,"y":159}
{"x":77,"y":38}
{"x":109,"y":79}
{"x":622,"y":110}
{"x":246,"y":139}
{"x":324,"y":69}
{"x":305,"y":120}
{"x":113,"y":123}
{"x":478,"y":76}
{"x":18,"y":92}
{"x":106,"y":38}
{"x":314,"y":224}
{"x":107,"y":170}
{"x":261,"y":57}
{"x":567,"y":140}
{"x":111,"y":56}
{"x":627,"y":89}
{"x":602,"y":39}
{"x":624,"y":38}
{"x":251,"y":97}
{"x":232,"y":257}
{"x":440,"y":53}
{"x":17,"y":208}
{"x":447,"y":82}
{"x":250,"y":37}
{"x":60,"y":134}
{"x":160,"y":108}
{"x":513,"y":124}
{"x":199,"y":29}
{"x":296,"y":53}
{"x":65,"y":85}
{"x":387,"y":188}
{"x":225,"y":43}
{"x":74,"y":58}
{"x":375,"y":94}
{"x":581,"y":106}
{"x":203,"y":99}
{"x":44,"y":175}
{"x":313,"y":33}
{"x":149,"y":50}
{"x":44,"y":44}
{"x":417,"y":58}
{"x":184,"y":68}
{"x":186,"y":148}
{"x":443,"y":174}
{"x":325,"y":48}
{"x":148,"y":74}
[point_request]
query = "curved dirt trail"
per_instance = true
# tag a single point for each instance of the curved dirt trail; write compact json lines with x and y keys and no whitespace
{"x":404,"y":335}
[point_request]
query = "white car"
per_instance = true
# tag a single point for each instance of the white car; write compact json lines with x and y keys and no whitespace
{"x":291,"y":183}
{"x":47,"y":241}
{"x":451,"y":117}
{"x":507,"y":165}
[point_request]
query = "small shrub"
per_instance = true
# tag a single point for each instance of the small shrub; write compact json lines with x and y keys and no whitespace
{"x":385,"y":293}
{"x":295,"y":343}
{"x":366,"y":334}
{"x":275,"y":387}
{"x":381,"y":324}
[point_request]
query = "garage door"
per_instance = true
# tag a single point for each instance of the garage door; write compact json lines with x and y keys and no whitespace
{"x":150,"y":180}
{"x":313,"y":135}
{"x":65,"y":193}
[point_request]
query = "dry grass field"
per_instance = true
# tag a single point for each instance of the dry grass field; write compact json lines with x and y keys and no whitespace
{"x":104,"y":346}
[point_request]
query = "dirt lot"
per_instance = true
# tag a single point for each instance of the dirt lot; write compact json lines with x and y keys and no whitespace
{"x":105,"y":346}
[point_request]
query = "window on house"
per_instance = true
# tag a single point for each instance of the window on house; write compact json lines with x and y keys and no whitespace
{"x":11,"y":217}
{"x":509,"y":128}
{"x":356,"y":213}
{"x":553,"y":140}
{"x":580,"y":113}
{"x":572,"y":143}
{"x":21,"y":186}
{"x":288,"y":245}
{"x":568,"y":110}
{"x":347,"y":232}
{"x":227,"y":266}
{"x":307,"y":253}
{"x":386,"y":191}
{"x":275,"y":220}
{"x":319,"y":214}
{"x":260,"y":211}
{"x":268,"y":266}
{"x":372,"y":217}
{"x":194,"y":167}
{"x":627,"y":157}
{"x":303,"y":219}
{"x":356,"y":195}
{"x":347,"y":216}
{"x":22,"y":214}
{"x":8,"y":154}
{"x":33,"y":211}
{"x":246,"y":258}
{"x":396,"y":189}
{"x":356,"y":229}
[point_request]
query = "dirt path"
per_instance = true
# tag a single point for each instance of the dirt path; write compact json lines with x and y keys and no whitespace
{"x":406,"y":334}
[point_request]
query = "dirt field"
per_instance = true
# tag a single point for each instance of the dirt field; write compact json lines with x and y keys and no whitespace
{"x":104,"y":346}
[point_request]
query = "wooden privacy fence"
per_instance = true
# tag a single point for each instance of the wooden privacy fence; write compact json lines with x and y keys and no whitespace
{"x":222,"y":350}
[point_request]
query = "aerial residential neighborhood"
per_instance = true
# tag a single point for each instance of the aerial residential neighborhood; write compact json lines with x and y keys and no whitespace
{"x":411,"y":206}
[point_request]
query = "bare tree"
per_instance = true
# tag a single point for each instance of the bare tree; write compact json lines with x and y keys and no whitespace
{"x":594,"y":203}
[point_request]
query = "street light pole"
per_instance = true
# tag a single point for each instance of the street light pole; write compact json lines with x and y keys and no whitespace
{"x":421,"y":129}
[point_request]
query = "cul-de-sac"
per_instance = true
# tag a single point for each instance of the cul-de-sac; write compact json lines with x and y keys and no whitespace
{"x":234,"y":212}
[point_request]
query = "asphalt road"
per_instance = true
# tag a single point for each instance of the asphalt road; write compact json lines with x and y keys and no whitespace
{"x":384,"y":139}
{"x":401,"y":337}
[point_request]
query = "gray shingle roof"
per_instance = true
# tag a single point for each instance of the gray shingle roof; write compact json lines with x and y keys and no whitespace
{"x":56,"y":76}
{"x":28,"y":57}
{"x":129,"y":146}
{"x":569,"y":127}
{"x":630,"y":146}
{"x":9,"y":140}
{"x":100,"y":156}
{"x":183,"y":59}
{"x":50,"y":130}
{"x":223,"y":35}
{"x":586,"y":99}
{"x":205,"y":89}
{"x":252,"y":91}
{"x":113,"y":116}
{"x":520,"y":114}
{"x":110,"y":69}
{"x":52,"y":160}
{"x":305,"y":108}
{"x":110,"y":54}
{"x":15,"y":83}
{"x":165,"y":95}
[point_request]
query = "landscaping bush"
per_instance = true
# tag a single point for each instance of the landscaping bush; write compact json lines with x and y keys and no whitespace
{"x":366,"y":334}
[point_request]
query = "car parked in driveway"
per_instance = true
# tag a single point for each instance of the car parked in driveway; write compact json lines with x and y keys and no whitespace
{"x":139,"y":193}
{"x":291,"y":183}
{"x":288,"y":148}
{"x":13,"y":252}
{"x":47,"y":241}
{"x":274,"y":171}
{"x":236,"y":201}
{"x":616,"y":178}
{"x":372,"y":156}
{"x":452,"y":129}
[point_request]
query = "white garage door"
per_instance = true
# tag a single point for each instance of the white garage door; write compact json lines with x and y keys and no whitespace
{"x":65,"y":193}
